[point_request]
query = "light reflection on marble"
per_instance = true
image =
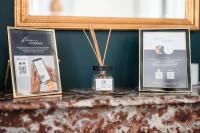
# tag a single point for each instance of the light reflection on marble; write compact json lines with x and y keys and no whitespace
{"x":81,"y":111}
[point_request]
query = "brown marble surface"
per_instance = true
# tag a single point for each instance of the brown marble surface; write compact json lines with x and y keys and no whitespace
{"x":83,"y":112}
{"x":86,"y":98}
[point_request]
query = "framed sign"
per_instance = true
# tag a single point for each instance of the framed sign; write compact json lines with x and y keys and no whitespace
{"x":34,"y":62}
{"x":165,"y":60}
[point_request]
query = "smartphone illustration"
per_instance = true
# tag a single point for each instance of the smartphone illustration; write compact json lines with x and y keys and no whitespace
{"x":42,"y":70}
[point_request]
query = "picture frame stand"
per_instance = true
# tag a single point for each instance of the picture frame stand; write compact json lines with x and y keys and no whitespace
{"x":8,"y":72}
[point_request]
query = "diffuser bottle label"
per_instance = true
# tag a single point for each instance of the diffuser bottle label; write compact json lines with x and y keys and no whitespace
{"x":104,"y":84}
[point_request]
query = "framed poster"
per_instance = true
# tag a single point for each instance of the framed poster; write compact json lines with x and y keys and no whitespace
{"x":165,"y":60}
{"x":34,"y":62}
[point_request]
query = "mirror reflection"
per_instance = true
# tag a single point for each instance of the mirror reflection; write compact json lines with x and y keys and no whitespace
{"x":173,"y":9}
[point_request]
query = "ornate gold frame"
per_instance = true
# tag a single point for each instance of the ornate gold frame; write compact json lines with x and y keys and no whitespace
{"x":22,"y":19}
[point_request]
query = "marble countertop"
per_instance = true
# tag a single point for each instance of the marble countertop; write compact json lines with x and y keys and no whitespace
{"x":86,"y":99}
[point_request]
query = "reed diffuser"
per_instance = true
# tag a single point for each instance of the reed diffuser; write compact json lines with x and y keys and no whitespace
{"x":102,"y":82}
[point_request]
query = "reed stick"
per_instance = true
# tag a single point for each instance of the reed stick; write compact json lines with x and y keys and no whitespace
{"x":91,"y":46}
{"x":107,"y":43}
{"x":96,"y":46}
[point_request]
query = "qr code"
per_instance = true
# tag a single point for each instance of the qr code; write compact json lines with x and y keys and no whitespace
{"x":22,"y":70}
{"x":21,"y":66}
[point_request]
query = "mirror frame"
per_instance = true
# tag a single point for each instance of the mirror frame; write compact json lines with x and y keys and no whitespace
{"x":22,"y":19}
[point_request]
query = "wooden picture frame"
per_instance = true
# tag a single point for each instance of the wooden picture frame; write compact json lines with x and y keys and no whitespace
{"x":165,"y":59}
{"x":33,"y":62}
{"x":23,"y":19}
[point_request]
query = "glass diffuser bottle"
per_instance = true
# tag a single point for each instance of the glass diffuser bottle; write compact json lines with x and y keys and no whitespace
{"x":102,"y":82}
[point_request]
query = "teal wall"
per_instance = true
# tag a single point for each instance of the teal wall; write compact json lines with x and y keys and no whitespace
{"x":77,"y":57}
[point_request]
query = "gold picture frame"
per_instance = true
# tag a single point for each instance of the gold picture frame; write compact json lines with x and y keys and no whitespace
{"x":165,"y":59}
{"x":33,"y":52}
{"x":23,"y":19}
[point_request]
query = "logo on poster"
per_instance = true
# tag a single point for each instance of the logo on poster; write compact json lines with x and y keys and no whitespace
{"x":30,"y":41}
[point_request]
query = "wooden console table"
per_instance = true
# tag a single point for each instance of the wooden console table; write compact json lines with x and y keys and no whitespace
{"x":123,"y":112}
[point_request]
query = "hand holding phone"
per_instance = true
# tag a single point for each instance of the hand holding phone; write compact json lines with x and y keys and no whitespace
{"x":41,"y":70}
{"x":42,"y":74}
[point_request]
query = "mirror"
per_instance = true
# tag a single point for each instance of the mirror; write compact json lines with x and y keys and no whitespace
{"x":104,"y":14}
{"x":105,"y":8}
